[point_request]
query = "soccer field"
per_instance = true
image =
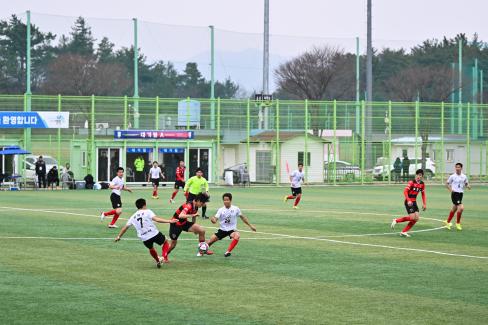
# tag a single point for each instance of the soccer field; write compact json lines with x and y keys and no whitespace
{"x":335,"y":260}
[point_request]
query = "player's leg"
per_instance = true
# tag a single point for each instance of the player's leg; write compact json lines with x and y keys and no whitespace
{"x":290,"y":197}
{"x":415,"y":217}
{"x":114,"y":202}
{"x":204,"y":211}
{"x":212,"y":240}
{"x":176,"y":189}
{"x":152,"y":251}
{"x":298,"y":198}
{"x":410,"y":211}
{"x":200,"y":231}
{"x":235,"y":236}
{"x":116,"y":216}
{"x":452,"y":212}
{"x":460,"y":210}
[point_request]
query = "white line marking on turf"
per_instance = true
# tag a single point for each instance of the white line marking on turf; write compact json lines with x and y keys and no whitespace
{"x":123,"y":239}
{"x":299,"y":237}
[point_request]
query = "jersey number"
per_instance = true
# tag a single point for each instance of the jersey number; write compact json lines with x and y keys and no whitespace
{"x":227,"y":220}
{"x":140,"y":220}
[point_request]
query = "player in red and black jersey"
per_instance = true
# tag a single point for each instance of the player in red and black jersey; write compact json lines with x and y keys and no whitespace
{"x":185,"y":211}
{"x":411,"y":191}
{"x":180,"y":180}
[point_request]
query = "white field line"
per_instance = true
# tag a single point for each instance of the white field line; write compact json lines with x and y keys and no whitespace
{"x":299,"y":237}
{"x":123,"y":239}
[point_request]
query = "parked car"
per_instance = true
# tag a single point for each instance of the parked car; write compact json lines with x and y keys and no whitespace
{"x":380,"y":171}
{"x":30,"y":164}
{"x":239,"y":173}
{"x":345,"y":171}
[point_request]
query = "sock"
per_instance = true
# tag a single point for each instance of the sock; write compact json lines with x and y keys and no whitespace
{"x":174,"y":194}
{"x":114,"y":219}
{"x":297,"y":200}
{"x":165,"y":250}
{"x":204,"y":209}
{"x":403,"y":219}
{"x":409,"y":226}
{"x":154,"y":254}
{"x":458,"y":217}
{"x":289,"y":197}
{"x":233,"y":244}
{"x":186,"y":195}
{"x":451,"y":215}
{"x":109,"y":213}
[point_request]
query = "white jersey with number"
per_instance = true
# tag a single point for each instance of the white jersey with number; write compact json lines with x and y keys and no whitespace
{"x":142,"y":221}
{"x":457,"y":182}
{"x":118,"y":184}
{"x":297,"y":177}
{"x":155,"y":172}
{"x":228,"y":217}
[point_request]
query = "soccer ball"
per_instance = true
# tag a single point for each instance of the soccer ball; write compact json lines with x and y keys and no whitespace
{"x":203,"y":246}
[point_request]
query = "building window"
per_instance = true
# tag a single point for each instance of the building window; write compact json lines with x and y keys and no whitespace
{"x":302,"y":160}
{"x":450,"y":155}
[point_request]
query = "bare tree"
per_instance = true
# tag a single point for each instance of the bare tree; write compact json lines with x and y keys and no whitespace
{"x":316,"y":75}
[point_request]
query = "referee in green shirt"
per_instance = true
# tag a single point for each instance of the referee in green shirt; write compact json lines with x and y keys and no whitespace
{"x":196,"y":185}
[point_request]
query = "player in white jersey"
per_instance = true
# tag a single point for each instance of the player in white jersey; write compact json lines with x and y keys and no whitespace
{"x":227,"y":217}
{"x":155,"y":174}
{"x":296,"y":180}
{"x":456,"y":184}
{"x":142,"y":220}
{"x":117,"y":185}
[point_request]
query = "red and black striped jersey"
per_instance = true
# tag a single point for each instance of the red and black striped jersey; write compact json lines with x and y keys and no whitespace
{"x":412,"y":189}
{"x":189,"y":208}
{"x":180,"y":174}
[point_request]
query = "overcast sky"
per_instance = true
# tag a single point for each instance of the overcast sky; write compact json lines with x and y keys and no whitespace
{"x":395,"y":24}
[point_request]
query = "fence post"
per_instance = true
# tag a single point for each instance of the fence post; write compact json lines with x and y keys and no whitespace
{"x":417,"y":108}
{"x":187,"y":154}
{"x":278,"y":153}
{"x":59,"y":133}
{"x":217,"y":156}
{"x":363,"y":106}
{"x":334,"y":123}
{"x":442,"y":163}
{"x":248,"y":136}
{"x":91,"y":168}
{"x":389,"y":141}
{"x":468,"y":140}
{"x":305,"y":153}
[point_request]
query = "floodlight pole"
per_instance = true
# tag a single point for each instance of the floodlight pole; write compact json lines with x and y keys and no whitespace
{"x":266,"y":61}
{"x":358,"y":124}
{"x":460,"y":86}
{"x":212,"y":77}
{"x":136,"y":77}
{"x":369,"y":87}
{"x":28,"y":93}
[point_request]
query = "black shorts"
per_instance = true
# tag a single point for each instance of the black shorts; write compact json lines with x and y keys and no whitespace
{"x":221,"y":234}
{"x":158,"y":239}
{"x":179,"y":184}
{"x":155,"y":181}
{"x":175,"y":230}
{"x":116,"y":201}
{"x":457,"y":198}
{"x":413,"y":208}
{"x":296,"y":190}
{"x":192,"y":197}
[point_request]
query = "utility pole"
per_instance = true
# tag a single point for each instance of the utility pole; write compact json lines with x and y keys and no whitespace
{"x":369,"y":88}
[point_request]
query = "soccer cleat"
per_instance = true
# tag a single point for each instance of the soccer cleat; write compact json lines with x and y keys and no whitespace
{"x":393,"y":224}
{"x":102,"y":216}
{"x":447,"y":225}
{"x":227,"y":254}
{"x":209,"y":252}
{"x":458,"y":226}
{"x":285,"y":198}
{"x":165,"y":260}
{"x":158,"y":263}
{"x":295,"y":207}
{"x":113,"y":226}
{"x":404,"y":234}
{"x":171,"y":201}
{"x":199,"y":254}
{"x":156,"y":197}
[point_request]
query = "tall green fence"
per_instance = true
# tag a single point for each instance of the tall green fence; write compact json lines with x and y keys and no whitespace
{"x":329,"y":137}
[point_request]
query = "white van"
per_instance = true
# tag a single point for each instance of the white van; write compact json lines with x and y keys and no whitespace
{"x":380,"y":171}
{"x":30,"y":164}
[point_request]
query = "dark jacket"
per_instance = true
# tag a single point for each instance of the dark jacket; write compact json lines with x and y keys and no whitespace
{"x":53,"y":175}
{"x":40,"y":167}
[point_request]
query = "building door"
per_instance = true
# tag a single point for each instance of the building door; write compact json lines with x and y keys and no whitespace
{"x":108,"y":161}
{"x":264,"y":170}
{"x":169,"y":158}
{"x":199,"y":158}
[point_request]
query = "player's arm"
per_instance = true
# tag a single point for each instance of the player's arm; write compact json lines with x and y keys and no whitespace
{"x":161,"y":220}
{"x":187,"y":184}
{"x":406,"y":190}
{"x":184,"y":215}
{"x":206,"y":186}
{"x":448,"y":184}
{"x":213,"y":219}
{"x":246,"y":221}
{"x":468,"y":186}
{"x":125,"y":188}
{"x":424,"y":200}
{"x":122,"y":232}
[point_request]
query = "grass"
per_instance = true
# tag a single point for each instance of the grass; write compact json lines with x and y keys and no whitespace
{"x":317,"y":274}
